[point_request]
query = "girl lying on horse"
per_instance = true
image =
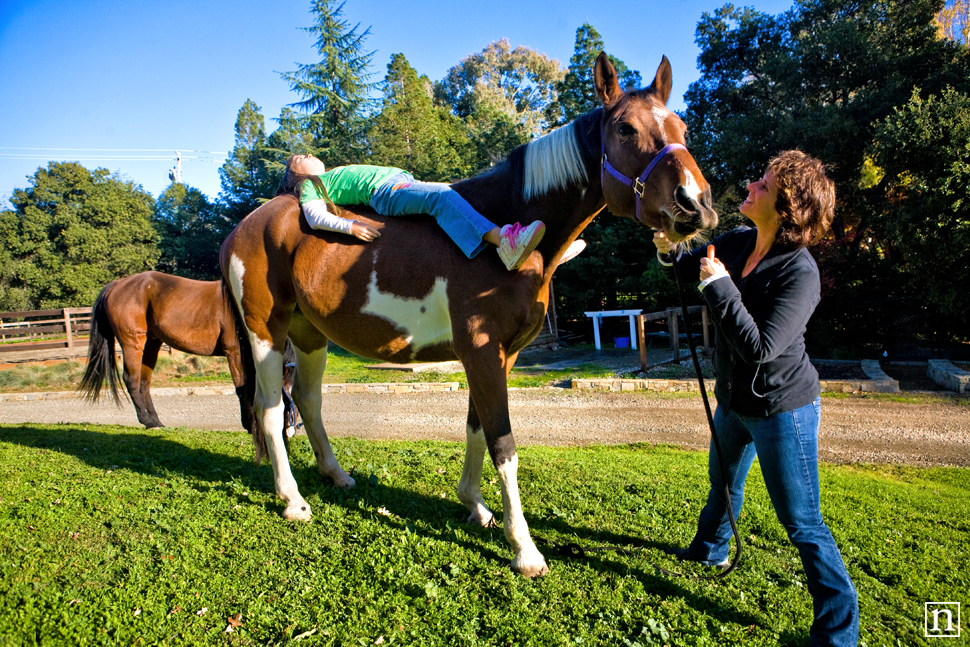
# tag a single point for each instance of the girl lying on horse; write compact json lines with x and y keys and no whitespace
{"x":394,"y":192}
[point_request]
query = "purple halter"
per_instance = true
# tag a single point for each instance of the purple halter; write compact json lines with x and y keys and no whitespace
{"x":637,"y":183}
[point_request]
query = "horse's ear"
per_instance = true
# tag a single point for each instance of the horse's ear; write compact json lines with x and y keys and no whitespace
{"x":663,"y":81}
{"x":607,"y":88}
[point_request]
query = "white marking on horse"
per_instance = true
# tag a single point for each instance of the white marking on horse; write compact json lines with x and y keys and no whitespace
{"x":690,"y":185}
{"x":660,"y":115}
{"x":470,"y":485}
{"x":528,"y":560}
{"x":424,"y":322}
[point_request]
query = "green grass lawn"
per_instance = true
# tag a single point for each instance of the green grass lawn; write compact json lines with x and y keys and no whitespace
{"x":119,"y":536}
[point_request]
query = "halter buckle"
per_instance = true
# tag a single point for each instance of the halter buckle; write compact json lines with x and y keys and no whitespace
{"x":638,"y":187}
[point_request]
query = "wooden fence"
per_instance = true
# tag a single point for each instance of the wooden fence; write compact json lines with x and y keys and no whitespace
{"x":673,"y":328}
{"x":44,"y":329}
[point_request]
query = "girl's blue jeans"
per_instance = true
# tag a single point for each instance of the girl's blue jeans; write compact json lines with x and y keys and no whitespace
{"x":402,"y":195}
{"x":787,"y":447}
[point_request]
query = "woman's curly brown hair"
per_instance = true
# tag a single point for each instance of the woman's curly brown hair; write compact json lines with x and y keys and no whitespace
{"x":806,"y":198}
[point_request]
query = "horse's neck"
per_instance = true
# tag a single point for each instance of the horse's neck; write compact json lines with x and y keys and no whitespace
{"x":566,"y":212}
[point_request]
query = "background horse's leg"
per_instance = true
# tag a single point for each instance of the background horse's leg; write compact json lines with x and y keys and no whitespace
{"x":470,"y":485}
{"x":132,"y":349}
{"x":149,"y":359}
{"x":308,"y":397}
{"x":487,"y":384}
{"x":269,"y":409}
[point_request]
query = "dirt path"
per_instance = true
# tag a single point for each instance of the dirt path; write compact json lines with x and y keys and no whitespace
{"x":853,"y":430}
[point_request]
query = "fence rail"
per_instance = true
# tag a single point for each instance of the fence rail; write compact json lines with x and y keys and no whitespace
{"x":44,"y":329}
{"x":673,"y":328}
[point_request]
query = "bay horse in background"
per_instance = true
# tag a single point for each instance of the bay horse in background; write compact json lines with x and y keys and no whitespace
{"x":146,"y":310}
{"x":411,"y":295}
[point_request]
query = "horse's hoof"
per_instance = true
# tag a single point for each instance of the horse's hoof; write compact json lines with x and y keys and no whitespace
{"x":485,"y":521}
{"x":345,"y":483}
{"x":530,"y":567}
{"x":299,"y":512}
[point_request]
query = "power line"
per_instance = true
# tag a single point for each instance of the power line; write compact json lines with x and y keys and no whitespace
{"x":104,"y":158}
{"x":109,"y":150}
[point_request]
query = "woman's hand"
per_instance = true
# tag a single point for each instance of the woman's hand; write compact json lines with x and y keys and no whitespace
{"x":364,"y":231}
{"x":662,"y":243}
{"x":711,"y":266}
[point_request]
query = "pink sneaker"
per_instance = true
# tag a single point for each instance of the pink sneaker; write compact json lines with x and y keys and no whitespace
{"x":518,"y":242}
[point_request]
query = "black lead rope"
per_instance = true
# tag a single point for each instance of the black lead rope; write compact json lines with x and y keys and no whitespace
{"x":575,"y":551}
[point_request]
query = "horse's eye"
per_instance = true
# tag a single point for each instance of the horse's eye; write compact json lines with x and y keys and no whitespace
{"x":626,"y":130}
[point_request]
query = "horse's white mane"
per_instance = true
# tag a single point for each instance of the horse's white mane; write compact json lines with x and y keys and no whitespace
{"x":552,"y":162}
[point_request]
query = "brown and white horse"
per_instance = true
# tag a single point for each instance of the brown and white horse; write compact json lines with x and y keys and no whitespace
{"x":412,"y":296}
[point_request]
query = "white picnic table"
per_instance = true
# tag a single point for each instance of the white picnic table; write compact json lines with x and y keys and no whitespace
{"x":598,"y":316}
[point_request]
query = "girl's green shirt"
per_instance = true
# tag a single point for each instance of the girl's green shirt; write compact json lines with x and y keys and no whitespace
{"x":353,"y":184}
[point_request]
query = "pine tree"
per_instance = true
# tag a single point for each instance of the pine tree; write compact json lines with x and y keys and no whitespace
{"x":576,"y":93}
{"x":414,"y":134}
{"x":244,"y":177}
{"x":335,"y":90}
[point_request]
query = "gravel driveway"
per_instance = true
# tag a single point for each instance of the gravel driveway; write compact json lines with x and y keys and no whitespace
{"x":853,"y":429}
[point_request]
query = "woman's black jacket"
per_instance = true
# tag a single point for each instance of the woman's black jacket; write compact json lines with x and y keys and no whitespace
{"x":759,"y":350}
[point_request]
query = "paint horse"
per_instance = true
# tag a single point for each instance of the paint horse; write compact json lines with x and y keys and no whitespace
{"x":146,"y":310}
{"x":412,"y":296}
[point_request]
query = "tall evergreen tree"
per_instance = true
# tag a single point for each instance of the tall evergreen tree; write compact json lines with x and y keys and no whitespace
{"x":335,"y":91}
{"x":244,"y":177}
{"x":414,"y":134}
{"x":576,"y":94}
{"x":70,"y":232}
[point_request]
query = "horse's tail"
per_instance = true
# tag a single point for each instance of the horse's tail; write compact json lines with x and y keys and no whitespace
{"x":101,"y":353}
{"x":246,"y":392}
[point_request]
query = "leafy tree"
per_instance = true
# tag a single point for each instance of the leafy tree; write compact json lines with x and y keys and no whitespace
{"x":953,"y":21}
{"x":335,"y":91}
{"x":923,"y":149}
{"x":414,"y":134}
{"x":72,"y":231}
{"x":501,"y":94}
{"x":575,"y":93}
{"x":191,"y":231}
{"x":818,"y":78}
{"x":245,"y":177}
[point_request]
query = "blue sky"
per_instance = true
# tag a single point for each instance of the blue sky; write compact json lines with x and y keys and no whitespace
{"x":127,"y":83}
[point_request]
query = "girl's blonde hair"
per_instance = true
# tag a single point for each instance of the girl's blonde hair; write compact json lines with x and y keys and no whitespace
{"x":292,"y":183}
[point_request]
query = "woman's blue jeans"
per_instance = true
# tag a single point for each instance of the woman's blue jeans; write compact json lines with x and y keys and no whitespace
{"x":402,"y":195}
{"x":787,"y":447}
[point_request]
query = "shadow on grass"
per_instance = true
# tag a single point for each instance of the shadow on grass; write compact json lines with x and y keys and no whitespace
{"x":159,"y":457}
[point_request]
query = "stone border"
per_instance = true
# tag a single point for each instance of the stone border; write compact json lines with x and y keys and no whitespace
{"x":370,"y":387}
{"x":878,"y":382}
{"x":948,"y":375}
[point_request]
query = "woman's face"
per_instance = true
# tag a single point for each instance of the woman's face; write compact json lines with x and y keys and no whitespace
{"x":762,"y":197}
{"x":307,"y":165}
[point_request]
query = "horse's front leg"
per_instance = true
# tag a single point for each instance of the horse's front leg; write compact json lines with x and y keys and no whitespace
{"x":470,"y":485}
{"x":489,"y":391}
{"x":269,"y":408}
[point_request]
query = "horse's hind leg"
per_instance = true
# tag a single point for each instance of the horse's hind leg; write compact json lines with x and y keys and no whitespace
{"x":470,"y":485}
{"x":309,"y":399}
{"x":132,"y":350}
{"x":149,"y":359}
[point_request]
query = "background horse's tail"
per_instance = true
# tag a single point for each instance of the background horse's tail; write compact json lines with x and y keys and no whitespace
{"x":101,"y":353}
{"x":246,"y":392}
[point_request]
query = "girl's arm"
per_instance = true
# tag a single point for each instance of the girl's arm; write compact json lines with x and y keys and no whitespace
{"x":319,"y":217}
